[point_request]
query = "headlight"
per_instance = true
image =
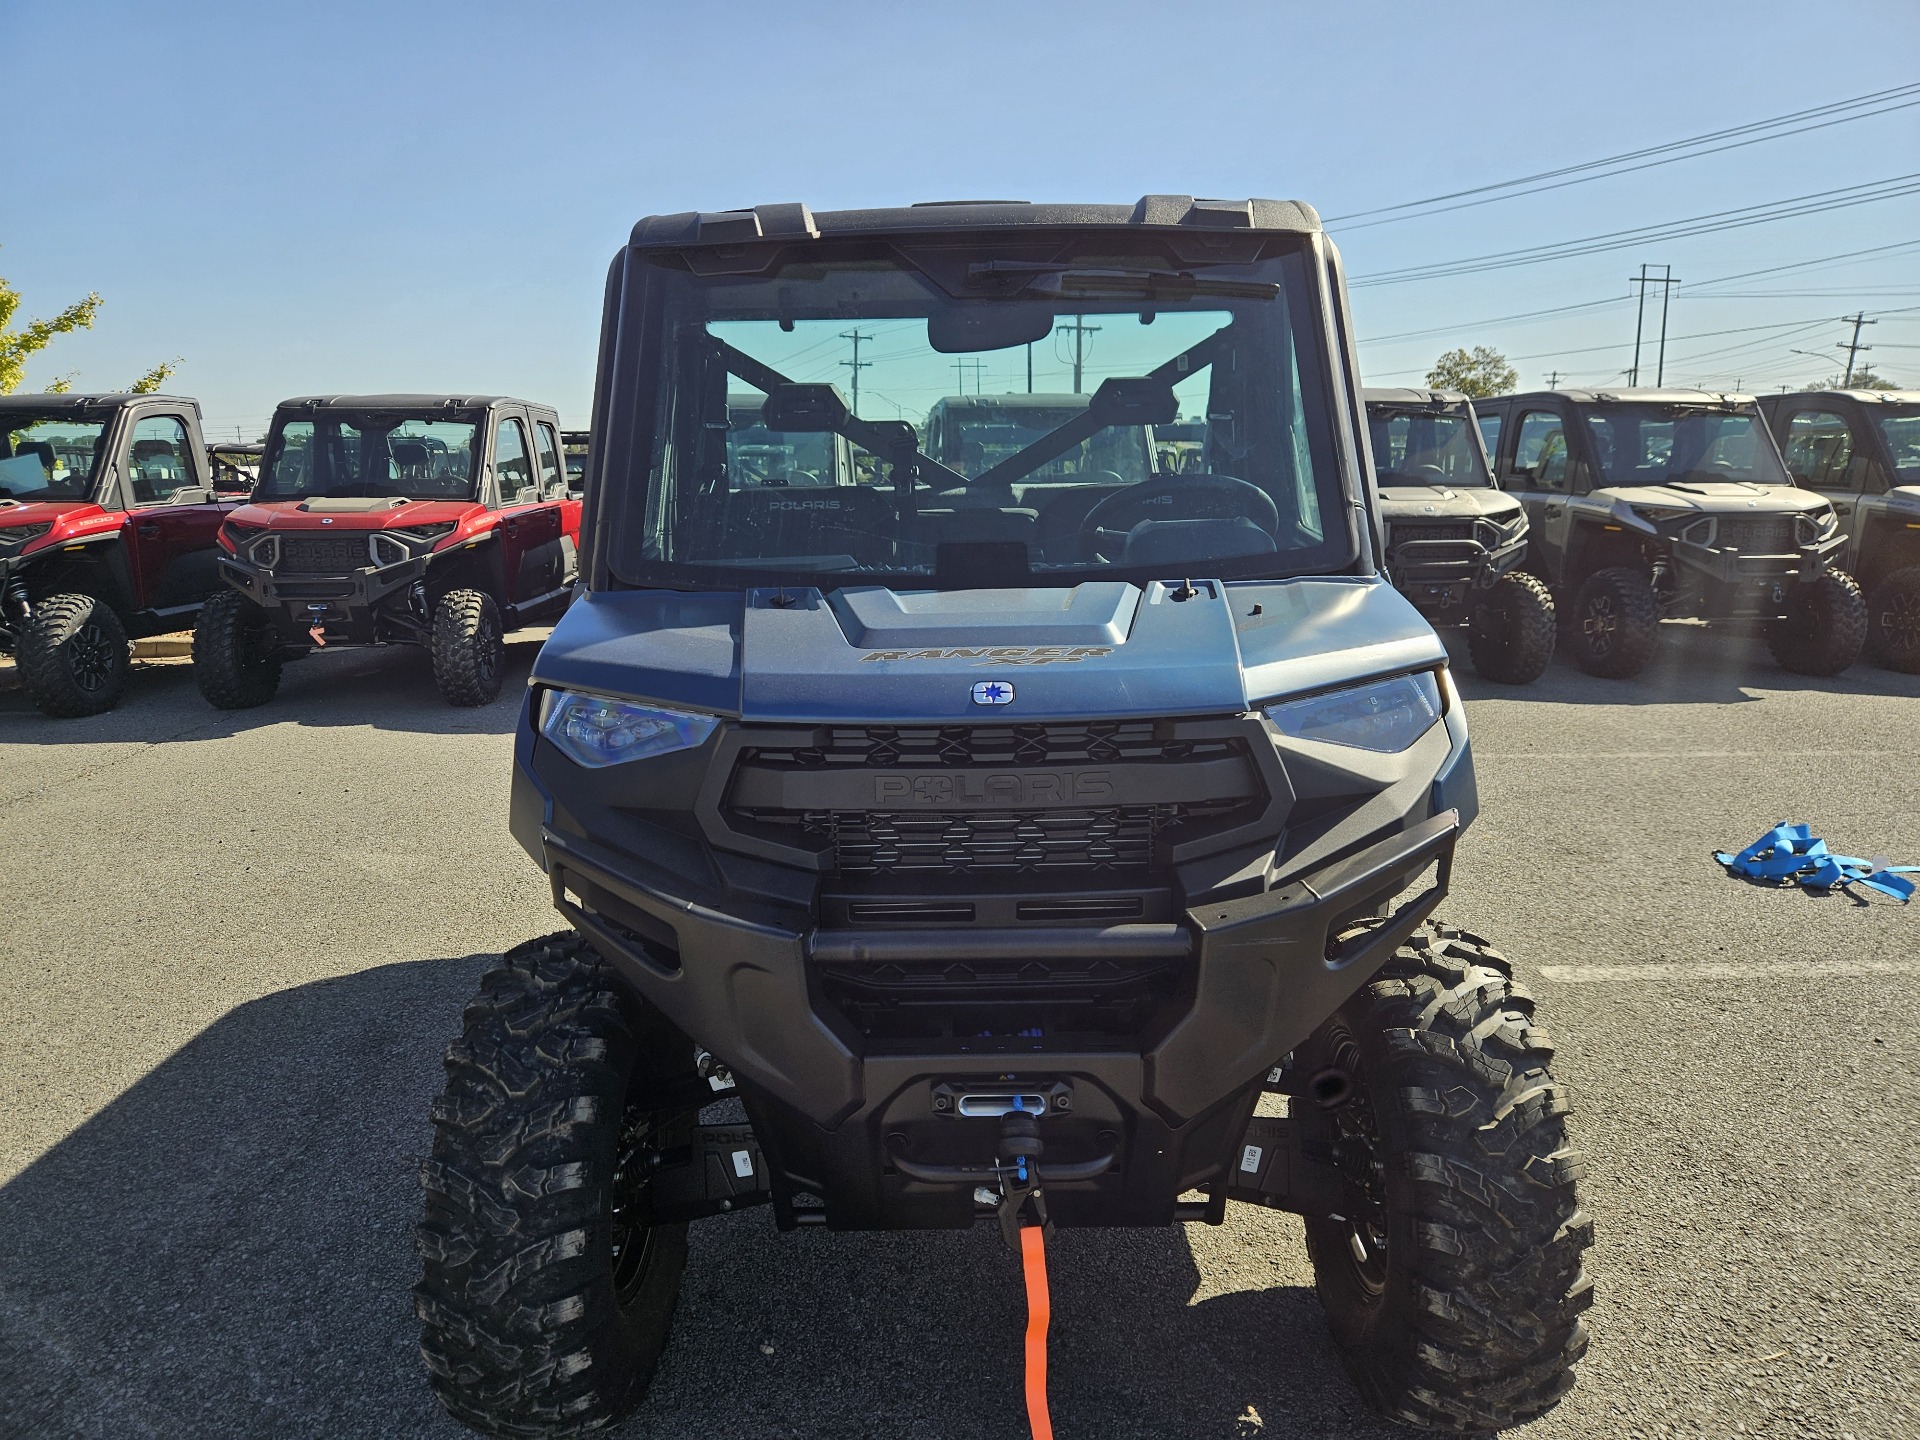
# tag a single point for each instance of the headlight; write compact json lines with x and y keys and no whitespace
{"x":1815,"y":525}
{"x":1655,"y":515}
{"x":1385,"y":717}
{"x":596,"y":731}
{"x":427,"y":533}
{"x":17,"y":537}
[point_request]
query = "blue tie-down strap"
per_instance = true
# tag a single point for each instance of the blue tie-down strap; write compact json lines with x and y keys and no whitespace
{"x":1794,"y":855}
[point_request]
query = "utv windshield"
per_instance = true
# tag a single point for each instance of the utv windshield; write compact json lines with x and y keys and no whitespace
{"x":1659,"y":444}
{"x":46,"y":457}
{"x":351,"y":454}
{"x":925,"y":399}
{"x":1902,"y":429}
{"x":1415,"y":445}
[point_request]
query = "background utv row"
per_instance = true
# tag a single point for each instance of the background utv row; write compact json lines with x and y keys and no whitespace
{"x":434,"y":520}
{"x":1644,"y":505}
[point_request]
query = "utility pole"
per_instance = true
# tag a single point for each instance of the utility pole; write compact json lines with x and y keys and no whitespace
{"x":1553,"y":381}
{"x":1666,"y":282}
{"x":1080,"y":331}
{"x":1853,"y":347}
{"x":1666,"y":298}
{"x":1639,"y":323}
{"x":856,"y":364}
{"x":1029,"y":367}
{"x":960,"y":370}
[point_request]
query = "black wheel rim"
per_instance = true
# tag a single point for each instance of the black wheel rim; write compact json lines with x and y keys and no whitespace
{"x":488,"y":663}
{"x":632,"y":1230}
{"x":1900,"y":624}
{"x":90,"y":657}
{"x":1360,"y":1158}
{"x":1600,"y":625}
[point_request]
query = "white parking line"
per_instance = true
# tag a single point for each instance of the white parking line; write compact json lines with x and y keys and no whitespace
{"x":1676,"y":754}
{"x":1714,"y":970}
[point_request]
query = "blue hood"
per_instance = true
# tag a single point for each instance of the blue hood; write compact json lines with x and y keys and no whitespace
{"x":1105,"y":649}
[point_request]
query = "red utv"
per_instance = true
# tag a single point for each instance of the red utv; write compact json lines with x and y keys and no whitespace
{"x":434,"y":520}
{"x":108,"y":512}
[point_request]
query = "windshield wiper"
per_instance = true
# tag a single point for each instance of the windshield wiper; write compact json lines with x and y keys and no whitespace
{"x":1071,"y":282}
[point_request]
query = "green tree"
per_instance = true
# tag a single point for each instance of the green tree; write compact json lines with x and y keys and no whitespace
{"x":17,"y":345}
{"x":1480,"y":372}
{"x":148,"y":383}
{"x":1863,"y":379}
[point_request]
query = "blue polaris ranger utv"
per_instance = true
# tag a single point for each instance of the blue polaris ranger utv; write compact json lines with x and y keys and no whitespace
{"x":1024,"y":832}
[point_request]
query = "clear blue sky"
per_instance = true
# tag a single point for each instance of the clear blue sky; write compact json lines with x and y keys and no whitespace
{"x":401,"y":196}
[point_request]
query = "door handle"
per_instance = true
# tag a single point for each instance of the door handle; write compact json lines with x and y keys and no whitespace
{"x":512,"y":527}
{"x":150,"y":529}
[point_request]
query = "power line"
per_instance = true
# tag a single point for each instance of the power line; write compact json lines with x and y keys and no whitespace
{"x":1820,"y":116}
{"x":1694,"y":294}
{"x":1814,"y":203}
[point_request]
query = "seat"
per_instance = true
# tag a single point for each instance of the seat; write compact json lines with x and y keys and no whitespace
{"x":156,"y":470}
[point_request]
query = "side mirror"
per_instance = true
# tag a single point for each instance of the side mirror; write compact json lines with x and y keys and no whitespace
{"x":805,"y":409}
{"x":1134,"y":400}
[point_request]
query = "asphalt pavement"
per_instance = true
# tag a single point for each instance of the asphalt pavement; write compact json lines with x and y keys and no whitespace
{"x":235,"y":946}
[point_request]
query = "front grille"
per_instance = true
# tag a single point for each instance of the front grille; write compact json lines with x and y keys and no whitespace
{"x":322,"y":554}
{"x":1080,"y":843}
{"x":1103,"y":840}
{"x":1433,"y":530}
{"x":1101,"y":742}
{"x":1755,"y":534}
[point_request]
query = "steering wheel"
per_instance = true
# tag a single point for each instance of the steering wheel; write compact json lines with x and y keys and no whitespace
{"x":1234,"y":498}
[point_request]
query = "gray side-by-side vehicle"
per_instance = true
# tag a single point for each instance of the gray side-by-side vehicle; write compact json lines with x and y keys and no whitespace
{"x":1018,"y":843}
{"x":1644,"y":505}
{"x":1860,"y":449}
{"x":1455,"y":543}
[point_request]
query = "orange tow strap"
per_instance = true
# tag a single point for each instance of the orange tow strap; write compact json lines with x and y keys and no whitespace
{"x":1033,"y":1259}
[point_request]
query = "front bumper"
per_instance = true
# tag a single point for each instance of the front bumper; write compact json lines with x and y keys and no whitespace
{"x":1439,"y":575}
{"x":1246,"y":971}
{"x":361,"y":607}
{"x":1723,"y":582}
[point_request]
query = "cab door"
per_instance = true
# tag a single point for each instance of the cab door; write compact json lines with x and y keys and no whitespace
{"x":1825,"y":451}
{"x":551,"y":463}
{"x":173,"y":520}
{"x":1535,"y":466}
{"x":530,"y":530}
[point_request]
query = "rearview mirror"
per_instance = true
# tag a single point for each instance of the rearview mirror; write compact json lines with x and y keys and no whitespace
{"x":966,"y":329}
{"x":805,"y":409}
{"x":1134,"y":400}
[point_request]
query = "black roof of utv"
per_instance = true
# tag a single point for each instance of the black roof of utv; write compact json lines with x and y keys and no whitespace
{"x":792,"y":222}
{"x":68,"y":404}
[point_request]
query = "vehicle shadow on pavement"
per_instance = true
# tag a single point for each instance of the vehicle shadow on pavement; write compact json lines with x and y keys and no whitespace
{"x":226,"y":1250}
{"x":388,"y":689}
{"x":1694,"y":665}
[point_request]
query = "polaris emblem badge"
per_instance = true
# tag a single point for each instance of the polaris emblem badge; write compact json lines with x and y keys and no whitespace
{"x":993,"y":692}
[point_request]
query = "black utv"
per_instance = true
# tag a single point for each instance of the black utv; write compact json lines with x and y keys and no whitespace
{"x":1001,"y":832}
{"x":1651,"y":505}
{"x":1454,"y":543}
